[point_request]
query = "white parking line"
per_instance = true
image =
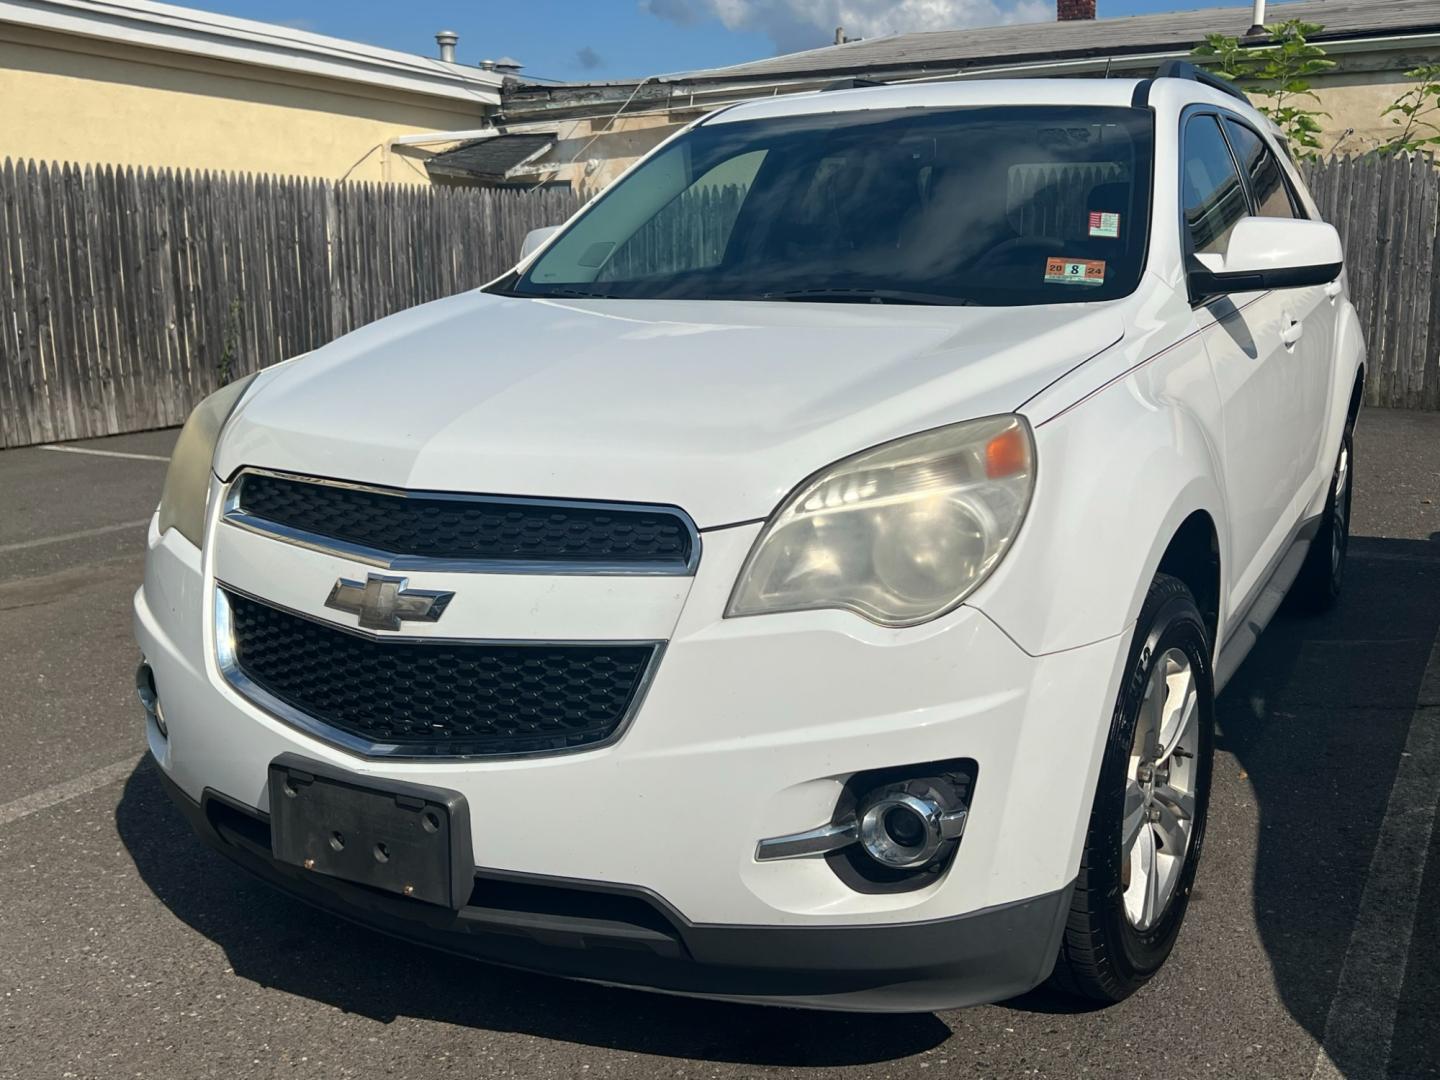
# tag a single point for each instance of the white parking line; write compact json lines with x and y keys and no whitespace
{"x":101,"y":453}
{"x":99,"y":530}
{"x":1361,"y":1024}
{"x":56,"y":794}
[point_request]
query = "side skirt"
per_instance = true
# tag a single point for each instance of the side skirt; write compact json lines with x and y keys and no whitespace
{"x":1262,"y":606}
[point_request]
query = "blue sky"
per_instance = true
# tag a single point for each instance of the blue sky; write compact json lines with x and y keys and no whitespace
{"x":609,"y":39}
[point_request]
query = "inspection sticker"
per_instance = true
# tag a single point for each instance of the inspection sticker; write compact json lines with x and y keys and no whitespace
{"x":1075,"y":271}
{"x":1105,"y":224}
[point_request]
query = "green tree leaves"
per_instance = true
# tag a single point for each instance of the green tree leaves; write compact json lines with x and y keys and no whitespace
{"x":1280,"y":71}
{"x":1416,"y":112}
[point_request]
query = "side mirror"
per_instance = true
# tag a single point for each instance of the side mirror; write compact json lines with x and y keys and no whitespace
{"x":1272,"y":253}
{"x":535,"y":239}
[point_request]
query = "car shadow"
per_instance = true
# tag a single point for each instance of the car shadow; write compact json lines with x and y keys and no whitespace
{"x":275,"y":941}
{"x":1318,"y":716}
{"x":1228,"y":316}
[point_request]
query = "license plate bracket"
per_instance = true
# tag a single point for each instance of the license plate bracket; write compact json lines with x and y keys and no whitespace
{"x":409,"y":839}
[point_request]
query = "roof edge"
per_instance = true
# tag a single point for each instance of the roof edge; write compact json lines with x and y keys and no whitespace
{"x":719,"y":76}
{"x":747,"y":70}
{"x":171,"y":28}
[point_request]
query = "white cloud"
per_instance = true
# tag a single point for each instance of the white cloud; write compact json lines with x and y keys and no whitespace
{"x":808,"y":24}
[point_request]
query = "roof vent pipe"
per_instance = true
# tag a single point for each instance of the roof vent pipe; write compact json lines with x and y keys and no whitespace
{"x":1257,"y":21}
{"x":447,"y":40}
{"x":839,"y":35}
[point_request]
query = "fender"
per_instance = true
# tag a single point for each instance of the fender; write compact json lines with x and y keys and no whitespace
{"x":1349,"y":342}
{"x":1347,"y":364}
{"x":1350,"y":363}
{"x":1132,"y":463}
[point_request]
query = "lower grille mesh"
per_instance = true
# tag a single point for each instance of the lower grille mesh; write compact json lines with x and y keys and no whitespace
{"x":438,"y":697}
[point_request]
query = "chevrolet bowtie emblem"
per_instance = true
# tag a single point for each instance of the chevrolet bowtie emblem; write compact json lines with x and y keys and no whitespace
{"x":383,"y":602}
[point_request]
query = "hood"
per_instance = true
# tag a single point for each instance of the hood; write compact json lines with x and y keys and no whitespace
{"x":719,"y":407}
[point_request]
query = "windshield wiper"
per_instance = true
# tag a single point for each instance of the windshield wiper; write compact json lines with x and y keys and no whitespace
{"x":569,"y":294}
{"x":574,"y":294}
{"x":866,"y":296}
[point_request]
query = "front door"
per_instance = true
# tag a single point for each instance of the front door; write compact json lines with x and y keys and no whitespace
{"x":1307,"y":315}
{"x":1257,"y":366}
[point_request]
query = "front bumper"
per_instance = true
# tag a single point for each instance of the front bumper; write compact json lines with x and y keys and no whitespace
{"x":628,"y":937}
{"x":749,"y":730}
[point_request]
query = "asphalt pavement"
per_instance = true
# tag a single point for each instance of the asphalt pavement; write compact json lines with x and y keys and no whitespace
{"x":1312,"y":947}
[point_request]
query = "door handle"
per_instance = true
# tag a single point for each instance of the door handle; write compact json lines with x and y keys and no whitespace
{"x":1293,"y":332}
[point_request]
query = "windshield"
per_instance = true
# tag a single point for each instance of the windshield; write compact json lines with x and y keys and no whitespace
{"x":997,"y":206}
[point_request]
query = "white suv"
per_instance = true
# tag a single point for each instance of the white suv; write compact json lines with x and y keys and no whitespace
{"x":805,"y":578}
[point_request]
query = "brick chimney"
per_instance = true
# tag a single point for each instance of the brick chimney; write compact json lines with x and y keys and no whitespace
{"x":1070,"y":10}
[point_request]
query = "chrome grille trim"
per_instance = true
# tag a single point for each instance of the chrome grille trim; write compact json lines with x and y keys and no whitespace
{"x":228,"y":662}
{"x":234,"y":514}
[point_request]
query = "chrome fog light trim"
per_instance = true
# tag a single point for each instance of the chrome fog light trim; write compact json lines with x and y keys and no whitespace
{"x":932,"y":825}
{"x":150,"y":697}
{"x":903,"y":830}
{"x":821,"y":841}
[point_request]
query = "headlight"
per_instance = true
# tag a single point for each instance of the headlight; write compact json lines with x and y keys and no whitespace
{"x":900,"y":533}
{"x":187,"y":483}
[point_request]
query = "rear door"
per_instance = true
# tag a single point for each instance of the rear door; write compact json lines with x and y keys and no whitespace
{"x":1256,"y":373}
{"x":1311,"y":311}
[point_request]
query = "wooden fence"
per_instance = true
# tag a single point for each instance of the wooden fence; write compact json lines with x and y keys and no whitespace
{"x":126,"y":296}
{"x":1386,"y":211}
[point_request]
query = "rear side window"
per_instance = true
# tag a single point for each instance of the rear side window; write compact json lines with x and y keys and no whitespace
{"x":1272,"y":194}
{"x":1214,"y":197}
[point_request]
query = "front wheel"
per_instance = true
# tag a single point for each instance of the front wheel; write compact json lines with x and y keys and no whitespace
{"x":1147,"y":824}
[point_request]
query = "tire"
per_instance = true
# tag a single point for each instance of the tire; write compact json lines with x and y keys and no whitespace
{"x":1317,"y":586}
{"x":1119,"y":933}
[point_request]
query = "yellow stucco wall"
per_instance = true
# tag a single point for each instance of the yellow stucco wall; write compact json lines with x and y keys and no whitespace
{"x":1356,"y":102}
{"x":602,"y":159}
{"x":66,"y":98}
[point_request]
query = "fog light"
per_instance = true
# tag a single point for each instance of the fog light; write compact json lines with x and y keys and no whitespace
{"x":887,"y":827}
{"x":903,"y":828}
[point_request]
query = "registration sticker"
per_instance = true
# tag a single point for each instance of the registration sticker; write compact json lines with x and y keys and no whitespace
{"x":1075,"y":271}
{"x":1105,"y":225}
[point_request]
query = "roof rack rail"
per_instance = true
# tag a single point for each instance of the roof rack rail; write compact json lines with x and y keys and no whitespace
{"x":853,"y":82}
{"x":1183,"y":69}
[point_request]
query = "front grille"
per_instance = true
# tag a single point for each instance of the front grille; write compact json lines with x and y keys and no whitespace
{"x":424,"y":697}
{"x":437,"y":526}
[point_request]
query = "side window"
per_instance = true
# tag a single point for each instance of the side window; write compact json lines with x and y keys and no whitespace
{"x":1213,"y":195}
{"x":1272,"y":194}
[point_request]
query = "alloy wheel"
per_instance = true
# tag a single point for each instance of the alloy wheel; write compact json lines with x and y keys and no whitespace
{"x":1159,"y":816}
